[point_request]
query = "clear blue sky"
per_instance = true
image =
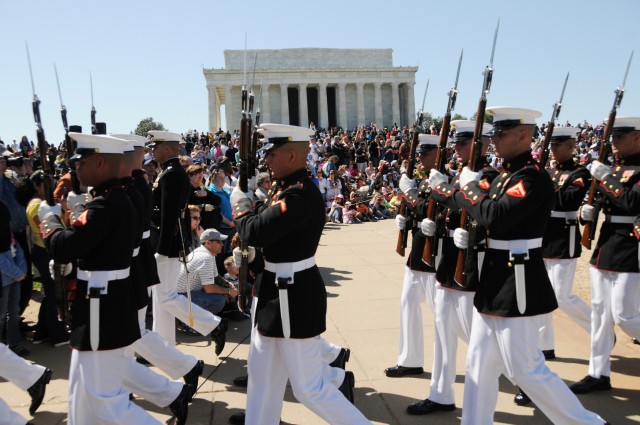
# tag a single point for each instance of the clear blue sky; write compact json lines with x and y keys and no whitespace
{"x":146,"y":57}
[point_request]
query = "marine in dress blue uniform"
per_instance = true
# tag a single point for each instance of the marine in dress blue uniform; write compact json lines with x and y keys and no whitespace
{"x":514,"y":287}
{"x":615,"y":277}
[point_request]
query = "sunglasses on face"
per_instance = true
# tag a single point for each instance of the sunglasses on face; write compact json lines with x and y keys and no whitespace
{"x":195,"y":217}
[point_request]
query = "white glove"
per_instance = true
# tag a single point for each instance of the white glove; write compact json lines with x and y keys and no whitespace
{"x":74,"y":199}
{"x":237,"y":255}
{"x":436,"y":177}
{"x":599,"y":171}
{"x":428,"y":227}
{"x":161,"y":259}
{"x":467,"y":176}
{"x":587,"y":212}
{"x":65,"y":269}
{"x":47,"y":209}
{"x":208,"y":207}
{"x":252,"y":184}
{"x":461,"y":238}
{"x":237,"y":195}
{"x":406,"y":184}
{"x":401,"y":222}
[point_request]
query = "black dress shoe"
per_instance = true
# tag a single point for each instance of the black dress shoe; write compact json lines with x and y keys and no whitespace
{"x":427,"y":406}
{"x":347,"y":385}
{"x":142,"y":360}
{"x":635,"y":341}
{"x":342,"y":359}
{"x":36,"y":391}
{"x":241,"y":381}
{"x":219,"y":335}
{"x":521,"y":398}
{"x":397,"y":371}
{"x":237,"y":418}
{"x":589,"y":384}
{"x":180,"y":406}
{"x":549,"y":354}
{"x":191,"y":378}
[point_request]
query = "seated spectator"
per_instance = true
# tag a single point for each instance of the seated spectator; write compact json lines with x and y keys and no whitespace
{"x":207,"y":201}
{"x":196,"y":228}
{"x":335,"y":214}
{"x":349,"y":214}
{"x":263,"y":181}
{"x":208,"y":289}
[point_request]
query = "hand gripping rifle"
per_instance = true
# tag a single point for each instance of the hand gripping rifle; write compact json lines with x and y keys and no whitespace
{"x":544,"y":154}
{"x":68,"y":143}
{"x":589,"y":231}
{"x":94,"y":129}
{"x":474,"y":164}
{"x":60,"y":290}
{"x":403,"y":234}
{"x":246,"y":172}
{"x":431,"y":243}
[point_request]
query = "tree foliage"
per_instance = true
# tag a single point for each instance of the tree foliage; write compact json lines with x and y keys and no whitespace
{"x":148,"y":124}
{"x":487,"y":118}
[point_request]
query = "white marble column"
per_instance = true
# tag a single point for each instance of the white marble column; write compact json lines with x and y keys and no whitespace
{"x":228,"y":108}
{"x":303,"y":107}
{"x":324,"y":111}
{"x":411,"y":103}
{"x":284,"y":99}
{"x":395,"y":104}
{"x":214,"y":109}
{"x":342,"y":105}
{"x":265,"y":109}
{"x":377,"y":88}
{"x":360,"y":100}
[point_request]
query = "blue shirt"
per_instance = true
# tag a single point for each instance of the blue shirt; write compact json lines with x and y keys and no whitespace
{"x":225,"y":202}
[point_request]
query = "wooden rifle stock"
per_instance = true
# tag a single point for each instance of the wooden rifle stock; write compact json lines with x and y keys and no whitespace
{"x":403,"y":235}
{"x":245,"y":169}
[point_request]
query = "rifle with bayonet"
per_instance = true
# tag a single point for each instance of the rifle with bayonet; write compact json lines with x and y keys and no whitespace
{"x":589,"y":230}
{"x":68,"y":143}
{"x":403,"y":234}
{"x":544,"y":153}
{"x":431,"y":244}
{"x":466,"y":222}
{"x":59,"y":285}
{"x":94,"y":129}
{"x":246,"y":169}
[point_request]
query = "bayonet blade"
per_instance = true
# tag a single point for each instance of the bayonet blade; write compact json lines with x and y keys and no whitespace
{"x":260,"y":96}
{"x":253,"y":81}
{"x":564,"y":88}
{"x":244,"y":77}
{"x":495,"y":38}
{"x":33,"y":87}
{"x":626,"y":73}
{"x":58,"y":83}
{"x":424,"y":98}
{"x":455,"y":86}
{"x":91,"y":84}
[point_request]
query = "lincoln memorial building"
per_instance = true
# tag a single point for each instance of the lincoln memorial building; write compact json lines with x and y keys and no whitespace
{"x":327,"y":87}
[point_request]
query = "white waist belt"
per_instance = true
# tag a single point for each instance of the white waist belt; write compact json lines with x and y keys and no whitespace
{"x":287,"y":270}
{"x":568,"y":215}
{"x":508,"y":245}
{"x":146,"y":234}
{"x":619,"y":219}
{"x":108,"y":275}
{"x":136,"y":251}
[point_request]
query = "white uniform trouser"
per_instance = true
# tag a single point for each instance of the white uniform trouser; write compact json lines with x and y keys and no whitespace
{"x":453,"y":315}
{"x":273,"y":361}
{"x":562,"y":273}
{"x":23,"y":374}
{"x":509,"y":345}
{"x":151,"y":386}
{"x":160,"y":353}
{"x":96,"y":392}
{"x":615,"y":300}
{"x":416,"y":288}
{"x":329,"y":351}
{"x":167,"y":305}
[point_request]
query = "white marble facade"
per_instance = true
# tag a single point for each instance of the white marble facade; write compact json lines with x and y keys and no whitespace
{"x":329,"y":87}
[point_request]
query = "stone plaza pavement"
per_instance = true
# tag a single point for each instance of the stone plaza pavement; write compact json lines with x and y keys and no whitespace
{"x":363,"y":275}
